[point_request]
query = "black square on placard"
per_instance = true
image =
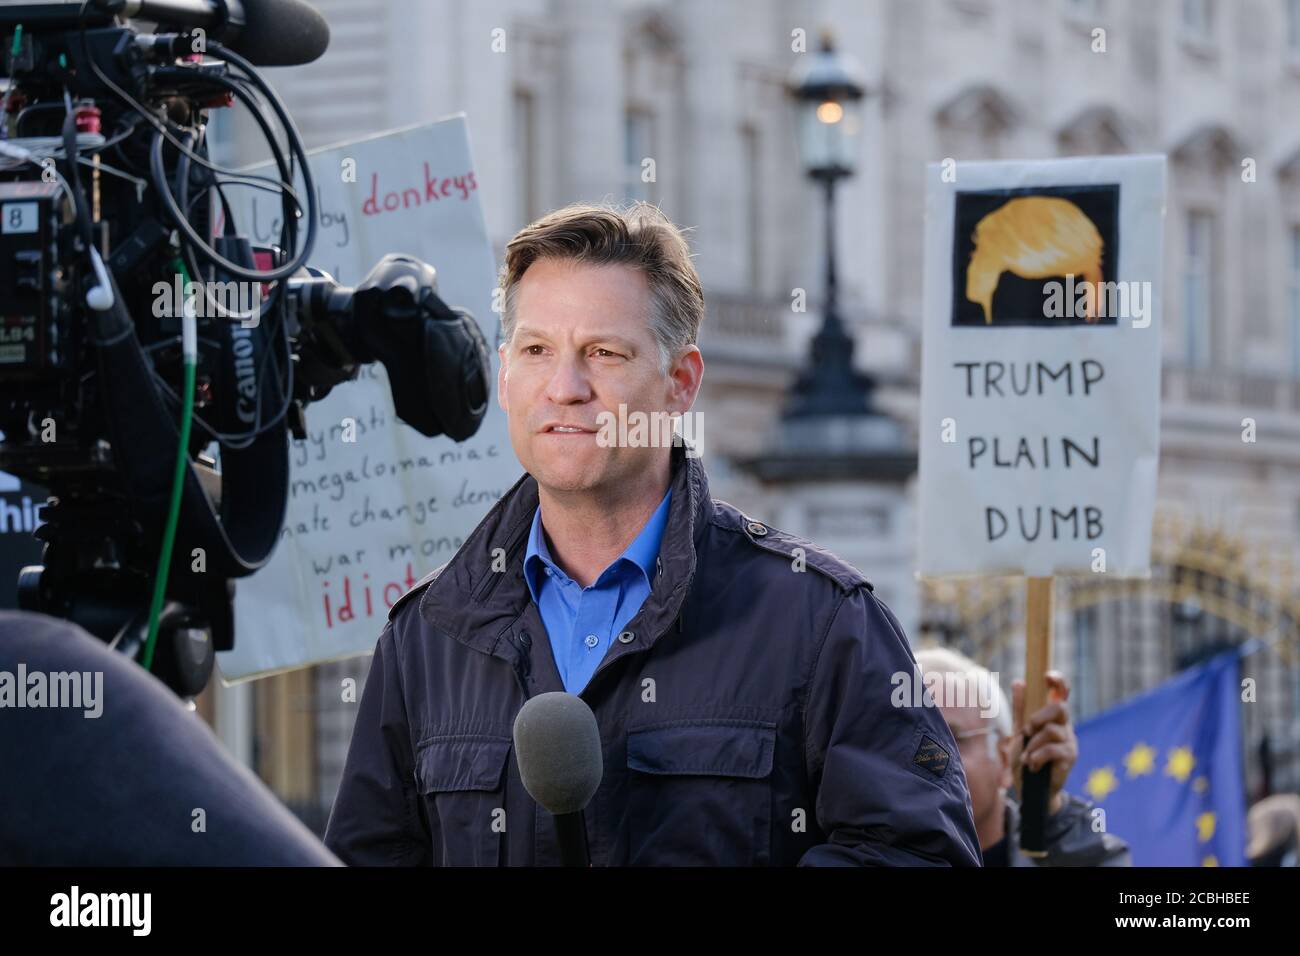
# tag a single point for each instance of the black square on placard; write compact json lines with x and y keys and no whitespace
{"x":1008,"y":244}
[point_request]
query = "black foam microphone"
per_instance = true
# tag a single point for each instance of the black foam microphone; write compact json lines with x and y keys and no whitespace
{"x":264,"y":32}
{"x":281,"y":33}
{"x":557,"y":745}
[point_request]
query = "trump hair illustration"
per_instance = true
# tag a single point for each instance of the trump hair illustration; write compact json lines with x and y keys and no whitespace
{"x":1034,"y":237}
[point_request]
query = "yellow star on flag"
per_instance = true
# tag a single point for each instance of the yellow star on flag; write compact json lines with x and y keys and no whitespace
{"x":1101,"y":782}
{"x":1210,"y":861}
{"x":1141,"y":759}
{"x":1205,"y":826}
{"x":1180,"y":763}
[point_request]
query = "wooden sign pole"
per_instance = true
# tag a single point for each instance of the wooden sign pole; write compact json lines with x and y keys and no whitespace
{"x":1038,"y":660}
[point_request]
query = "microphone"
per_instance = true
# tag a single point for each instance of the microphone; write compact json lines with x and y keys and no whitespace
{"x":281,"y":33}
{"x":557,"y":746}
{"x":264,"y":32}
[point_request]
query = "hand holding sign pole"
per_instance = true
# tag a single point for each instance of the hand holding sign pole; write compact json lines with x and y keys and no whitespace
{"x":1035,"y":784}
{"x":1041,"y":385}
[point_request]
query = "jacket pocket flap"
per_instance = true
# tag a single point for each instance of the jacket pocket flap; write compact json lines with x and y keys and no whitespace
{"x":461,"y":762}
{"x":706,"y":748}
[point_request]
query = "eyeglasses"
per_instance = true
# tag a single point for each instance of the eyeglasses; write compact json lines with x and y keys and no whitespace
{"x":972,"y":734}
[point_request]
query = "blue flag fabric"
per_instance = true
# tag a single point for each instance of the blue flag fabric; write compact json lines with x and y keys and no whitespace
{"x":1166,"y":767}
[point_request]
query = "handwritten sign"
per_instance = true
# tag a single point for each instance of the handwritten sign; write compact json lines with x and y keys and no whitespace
{"x":374,"y":505}
{"x":1040,"y":379}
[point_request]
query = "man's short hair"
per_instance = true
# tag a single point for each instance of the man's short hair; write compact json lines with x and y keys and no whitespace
{"x":638,"y":235}
{"x":945,"y":660}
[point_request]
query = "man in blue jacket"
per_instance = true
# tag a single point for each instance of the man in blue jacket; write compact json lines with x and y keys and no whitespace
{"x":741,"y":677}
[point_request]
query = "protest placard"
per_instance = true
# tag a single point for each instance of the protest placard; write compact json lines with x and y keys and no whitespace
{"x":373,"y":504}
{"x":1040,"y":382}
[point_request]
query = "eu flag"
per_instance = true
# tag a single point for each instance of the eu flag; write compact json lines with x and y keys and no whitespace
{"x":1166,"y":768}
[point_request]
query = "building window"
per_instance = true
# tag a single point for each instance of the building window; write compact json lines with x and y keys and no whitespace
{"x":1293,"y":27}
{"x":1197,"y":290}
{"x":1293,"y":298}
{"x":848,"y":521}
{"x":525,"y":154}
{"x":751,"y":223}
{"x":638,"y":139}
{"x":1197,"y":20}
{"x":1085,"y":696}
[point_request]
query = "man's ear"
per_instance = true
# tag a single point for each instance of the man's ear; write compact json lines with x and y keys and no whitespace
{"x":501,"y":378}
{"x":1004,"y":761}
{"x":687,"y":373}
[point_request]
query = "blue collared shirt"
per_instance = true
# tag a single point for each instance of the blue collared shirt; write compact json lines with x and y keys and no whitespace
{"x":583,"y":622}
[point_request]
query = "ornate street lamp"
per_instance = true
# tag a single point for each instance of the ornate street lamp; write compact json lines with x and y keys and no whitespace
{"x":829,"y":96}
{"x":828,"y":99}
{"x":829,"y":429}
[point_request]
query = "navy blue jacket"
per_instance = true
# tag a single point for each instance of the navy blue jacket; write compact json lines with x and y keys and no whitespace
{"x":744,"y":713}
